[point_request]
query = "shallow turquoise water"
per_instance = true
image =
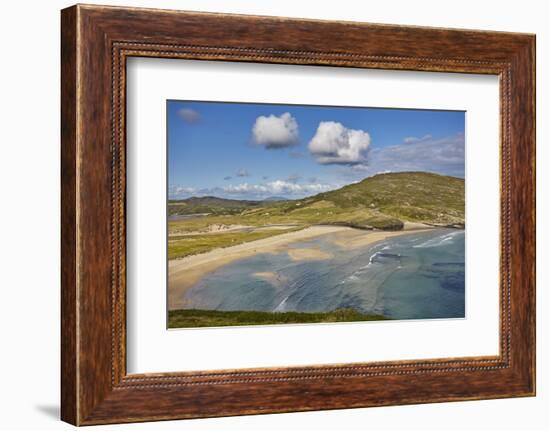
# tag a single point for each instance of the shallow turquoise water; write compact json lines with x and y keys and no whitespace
{"x":416,"y":276}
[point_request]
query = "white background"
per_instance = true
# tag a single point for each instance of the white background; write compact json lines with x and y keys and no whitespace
{"x":29,"y":227}
{"x":151,"y":348}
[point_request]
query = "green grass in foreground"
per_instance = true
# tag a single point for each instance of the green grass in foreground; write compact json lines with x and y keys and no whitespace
{"x":205,"y":318}
{"x":182,"y":246}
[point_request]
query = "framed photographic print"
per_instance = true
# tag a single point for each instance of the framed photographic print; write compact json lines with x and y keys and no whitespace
{"x":331,"y":231}
{"x":268,"y":215}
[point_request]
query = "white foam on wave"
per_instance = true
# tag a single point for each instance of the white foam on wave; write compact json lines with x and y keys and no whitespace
{"x":281,"y":306}
{"x":380,"y":254}
{"x":371,"y":260}
{"x":439,"y":241}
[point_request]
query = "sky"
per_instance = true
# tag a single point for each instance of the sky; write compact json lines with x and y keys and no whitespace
{"x":259,"y":151}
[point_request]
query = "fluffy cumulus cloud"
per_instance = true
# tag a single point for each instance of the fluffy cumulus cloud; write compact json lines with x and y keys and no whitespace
{"x":190,"y":116}
{"x":443,"y":156}
{"x":275,"y":132}
{"x":335,"y":144}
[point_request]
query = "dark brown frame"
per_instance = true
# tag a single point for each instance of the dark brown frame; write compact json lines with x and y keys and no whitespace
{"x":96,"y":41}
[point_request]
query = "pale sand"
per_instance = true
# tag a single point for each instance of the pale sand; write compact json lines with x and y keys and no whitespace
{"x":299,"y":254}
{"x":277,"y":227}
{"x":186,"y":272}
{"x":409,"y":225}
{"x":357,"y":239}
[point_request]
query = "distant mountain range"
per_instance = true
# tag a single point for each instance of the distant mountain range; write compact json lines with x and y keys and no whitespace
{"x":383,"y":201}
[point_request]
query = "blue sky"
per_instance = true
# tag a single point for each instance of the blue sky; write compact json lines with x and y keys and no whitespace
{"x":257,"y":151}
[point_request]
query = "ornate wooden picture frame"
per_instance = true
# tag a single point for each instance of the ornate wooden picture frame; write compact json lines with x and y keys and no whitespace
{"x":96,"y":41}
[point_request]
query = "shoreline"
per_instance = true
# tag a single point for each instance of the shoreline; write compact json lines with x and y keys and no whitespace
{"x":186,"y":272}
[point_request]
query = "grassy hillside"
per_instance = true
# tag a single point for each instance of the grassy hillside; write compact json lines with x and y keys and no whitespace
{"x":209,"y":205}
{"x":384,"y":201}
{"x":406,"y":196}
{"x":203,"y":318}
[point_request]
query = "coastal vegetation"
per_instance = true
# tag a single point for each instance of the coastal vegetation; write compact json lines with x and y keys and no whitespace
{"x":209,"y":318}
{"x":181,"y":246}
{"x":209,"y":205}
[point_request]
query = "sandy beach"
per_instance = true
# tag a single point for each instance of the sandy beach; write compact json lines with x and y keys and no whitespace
{"x":186,"y":272}
{"x":351,"y":239}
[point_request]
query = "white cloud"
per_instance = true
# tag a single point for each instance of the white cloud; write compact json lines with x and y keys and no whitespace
{"x":335,"y":144}
{"x":175,"y":192}
{"x":277,"y":187}
{"x":188,"y":115}
{"x":275,"y":132}
{"x":443,"y":156}
{"x":254,"y":191}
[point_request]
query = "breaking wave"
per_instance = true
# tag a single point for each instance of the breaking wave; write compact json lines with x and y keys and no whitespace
{"x":440,"y":240}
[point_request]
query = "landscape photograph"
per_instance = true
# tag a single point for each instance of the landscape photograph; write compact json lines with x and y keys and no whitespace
{"x":299,"y":214}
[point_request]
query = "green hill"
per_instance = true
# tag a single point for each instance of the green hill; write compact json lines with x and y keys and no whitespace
{"x":407,"y":196}
{"x":383,"y":201}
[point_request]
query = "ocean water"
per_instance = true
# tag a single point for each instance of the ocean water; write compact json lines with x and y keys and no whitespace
{"x":416,"y":276}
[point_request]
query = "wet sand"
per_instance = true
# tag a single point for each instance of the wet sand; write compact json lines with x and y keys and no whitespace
{"x":300,"y":254}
